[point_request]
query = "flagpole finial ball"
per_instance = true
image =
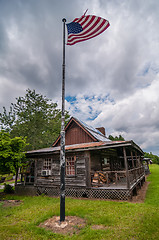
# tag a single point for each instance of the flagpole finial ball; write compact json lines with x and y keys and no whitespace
{"x":64,"y":19}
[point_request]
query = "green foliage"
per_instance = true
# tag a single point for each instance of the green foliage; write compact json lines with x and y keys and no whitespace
{"x":6,"y":177}
{"x":8,"y":189}
{"x":116,"y":138}
{"x":2,"y":179}
{"x":154,"y":158}
{"x":33,"y":116}
{"x":9,"y":177}
{"x":11,"y":153}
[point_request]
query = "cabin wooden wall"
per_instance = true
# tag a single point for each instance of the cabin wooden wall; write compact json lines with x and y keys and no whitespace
{"x":75,"y":135}
{"x":81,"y":179}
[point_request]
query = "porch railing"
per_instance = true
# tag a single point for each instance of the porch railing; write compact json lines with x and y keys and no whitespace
{"x":107,"y":178}
{"x":135,"y":174}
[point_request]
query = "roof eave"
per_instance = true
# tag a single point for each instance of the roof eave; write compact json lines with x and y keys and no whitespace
{"x":105,"y":145}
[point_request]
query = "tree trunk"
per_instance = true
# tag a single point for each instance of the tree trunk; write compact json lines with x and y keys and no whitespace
{"x":16,"y":177}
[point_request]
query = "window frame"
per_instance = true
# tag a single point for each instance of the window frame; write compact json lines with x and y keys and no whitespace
{"x":47,"y":164}
{"x":68,"y":171}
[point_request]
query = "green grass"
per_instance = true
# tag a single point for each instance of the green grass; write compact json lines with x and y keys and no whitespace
{"x":122,"y":220}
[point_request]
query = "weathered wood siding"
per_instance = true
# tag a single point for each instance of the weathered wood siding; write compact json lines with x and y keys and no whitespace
{"x":75,"y":135}
{"x":79,"y":180}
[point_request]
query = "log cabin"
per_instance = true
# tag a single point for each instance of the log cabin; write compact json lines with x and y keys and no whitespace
{"x":95,"y":167}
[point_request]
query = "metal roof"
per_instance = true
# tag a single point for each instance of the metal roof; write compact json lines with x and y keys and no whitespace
{"x":86,"y":146}
{"x":93,"y":131}
{"x":95,"y":134}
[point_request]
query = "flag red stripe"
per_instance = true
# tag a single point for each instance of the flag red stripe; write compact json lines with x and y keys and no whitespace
{"x":75,"y":20}
{"x":76,"y":40}
{"x":82,"y":39}
{"x":92,"y":26}
{"x":82,"y":20}
{"x":89,"y":22}
{"x":82,"y":35}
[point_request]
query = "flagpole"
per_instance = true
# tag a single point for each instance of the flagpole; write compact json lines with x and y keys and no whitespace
{"x":62,"y":153}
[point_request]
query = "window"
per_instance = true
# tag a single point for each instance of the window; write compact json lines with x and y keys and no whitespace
{"x":70,"y":165}
{"x":105,"y":161}
{"x":47,"y":164}
{"x":105,"y":164}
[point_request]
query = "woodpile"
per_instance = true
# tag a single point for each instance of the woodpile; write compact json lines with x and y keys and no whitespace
{"x":100,"y":177}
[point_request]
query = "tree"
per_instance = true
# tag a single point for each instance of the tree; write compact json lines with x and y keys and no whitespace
{"x":154,"y":158}
{"x":33,"y":116}
{"x":116,"y":138}
{"x":12,"y":155}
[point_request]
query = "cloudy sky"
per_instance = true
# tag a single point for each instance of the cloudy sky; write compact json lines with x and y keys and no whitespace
{"x":111,"y":80}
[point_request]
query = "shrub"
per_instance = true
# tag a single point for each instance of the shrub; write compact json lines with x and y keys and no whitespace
{"x":2,"y":179}
{"x":8,"y":189}
{"x":9,"y":177}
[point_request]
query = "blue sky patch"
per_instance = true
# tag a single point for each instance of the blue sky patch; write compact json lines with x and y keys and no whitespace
{"x":71,"y":99}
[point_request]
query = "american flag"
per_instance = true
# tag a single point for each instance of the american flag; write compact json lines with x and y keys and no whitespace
{"x":85,"y":27}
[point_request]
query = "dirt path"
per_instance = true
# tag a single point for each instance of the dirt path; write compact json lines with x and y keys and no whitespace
{"x":141,"y":194}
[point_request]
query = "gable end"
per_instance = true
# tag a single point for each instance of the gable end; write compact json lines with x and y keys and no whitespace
{"x":75,"y":133}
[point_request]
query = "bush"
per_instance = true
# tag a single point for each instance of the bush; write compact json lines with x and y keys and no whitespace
{"x":2,"y":179}
{"x":154,"y":158}
{"x":9,"y":177}
{"x":8,"y":189}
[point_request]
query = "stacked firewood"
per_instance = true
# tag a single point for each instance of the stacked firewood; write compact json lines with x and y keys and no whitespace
{"x":107,"y":178}
{"x":99,"y":177}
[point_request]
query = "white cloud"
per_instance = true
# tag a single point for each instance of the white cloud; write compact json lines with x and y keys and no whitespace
{"x":113,"y":77}
{"x":134,"y":117}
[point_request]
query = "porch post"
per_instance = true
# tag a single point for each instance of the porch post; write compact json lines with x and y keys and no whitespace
{"x":126,"y":167}
{"x":88,"y":169}
{"x":35,"y":173}
{"x":137,"y":160}
{"x":132,"y":159}
{"x":133,"y":164}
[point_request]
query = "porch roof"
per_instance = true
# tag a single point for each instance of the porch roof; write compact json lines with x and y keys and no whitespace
{"x":86,"y":146}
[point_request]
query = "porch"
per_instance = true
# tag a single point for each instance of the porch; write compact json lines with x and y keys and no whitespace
{"x":103,"y":170}
{"x":117,"y":179}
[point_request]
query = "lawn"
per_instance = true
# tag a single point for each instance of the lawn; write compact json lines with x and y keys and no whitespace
{"x":120,"y":220}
